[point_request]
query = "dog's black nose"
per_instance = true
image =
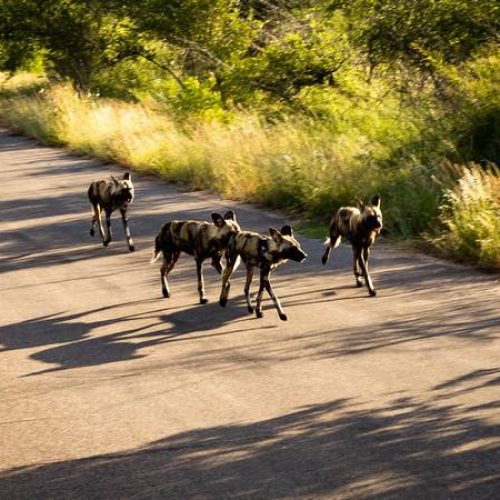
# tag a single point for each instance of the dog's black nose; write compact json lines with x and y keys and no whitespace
{"x":300,"y":256}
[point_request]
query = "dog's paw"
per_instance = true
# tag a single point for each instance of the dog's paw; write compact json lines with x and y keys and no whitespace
{"x":223,"y":302}
{"x":165,"y":293}
{"x":283,"y":317}
{"x":203,"y":300}
{"x":373,"y":293}
{"x":131,"y":248}
{"x":92,"y":232}
{"x":259,"y":314}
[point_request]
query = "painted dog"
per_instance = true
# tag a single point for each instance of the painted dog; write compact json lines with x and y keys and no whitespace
{"x":108,"y":195}
{"x":202,"y":240}
{"x":360,"y":225}
{"x":266,"y":252}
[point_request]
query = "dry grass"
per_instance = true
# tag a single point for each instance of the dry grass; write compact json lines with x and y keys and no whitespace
{"x":307,"y":166}
{"x":471,"y":217}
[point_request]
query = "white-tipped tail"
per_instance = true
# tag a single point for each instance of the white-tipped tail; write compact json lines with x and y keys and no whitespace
{"x":154,"y":257}
{"x":328,"y":243}
{"x":157,"y":250}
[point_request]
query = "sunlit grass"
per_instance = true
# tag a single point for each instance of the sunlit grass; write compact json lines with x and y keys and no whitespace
{"x":307,"y":166}
{"x":470,"y":215}
{"x":298,"y":164}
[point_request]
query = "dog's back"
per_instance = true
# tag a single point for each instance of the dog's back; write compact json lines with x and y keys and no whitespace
{"x":180,"y":236}
{"x":246,"y":245}
{"x":346,"y":221}
{"x":199,"y":238}
{"x":256,"y":249}
{"x":360,"y":225}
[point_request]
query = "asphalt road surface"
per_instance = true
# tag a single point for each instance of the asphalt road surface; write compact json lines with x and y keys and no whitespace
{"x":110,"y":391}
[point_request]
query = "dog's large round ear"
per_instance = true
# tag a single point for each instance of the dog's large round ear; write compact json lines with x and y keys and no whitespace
{"x":218,"y":220}
{"x":287,"y":230}
{"x":375,"y":201}
{"x":127,"y":176}
{"x":275,"y":234}
{"x":230,"y":215}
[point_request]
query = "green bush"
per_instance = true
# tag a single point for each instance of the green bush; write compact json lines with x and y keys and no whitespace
{"x":470,"y":216}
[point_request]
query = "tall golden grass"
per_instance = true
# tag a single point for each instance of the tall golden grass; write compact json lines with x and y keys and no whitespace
{"x":304,"y":165}
{"x":470,"y":215}
{"x":293,"y":162}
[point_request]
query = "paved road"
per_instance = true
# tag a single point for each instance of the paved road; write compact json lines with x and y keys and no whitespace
{"x":109,"y":391}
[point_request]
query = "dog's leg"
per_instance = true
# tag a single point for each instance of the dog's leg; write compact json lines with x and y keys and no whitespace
{"x":169,"y":261}
{"x":363,"y":264}
{"x":326,"y":253}
{"x":165,"y":291}
{"x":216,"y":259}
{"x":250,"y":270}
{"x":226,"y":283}
{"x":109,"y":235}
{"x":126,"y":228}
{"x":264,"y":276}
{"x":95,"y":218}
{"x":172,"y":259}
{"x":201,"y":285}
{"x":267,"y":284}
{"x":98,"y":215}
{"x":356,"y":254}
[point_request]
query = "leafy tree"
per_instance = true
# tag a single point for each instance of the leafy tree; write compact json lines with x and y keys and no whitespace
{"x":78,"y":38}
{"x":420,"y":33}
{"x":306,"y":53}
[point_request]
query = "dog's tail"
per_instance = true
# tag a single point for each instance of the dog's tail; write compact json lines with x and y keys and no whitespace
{"x":157,"y":250}
{"x":328,"y":243}
{"x":328,"y":248}
{"x":92,"y":193}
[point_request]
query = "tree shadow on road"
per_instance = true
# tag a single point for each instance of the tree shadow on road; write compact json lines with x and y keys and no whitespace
{"x":49,"y":242}
{"x":409,"y":449}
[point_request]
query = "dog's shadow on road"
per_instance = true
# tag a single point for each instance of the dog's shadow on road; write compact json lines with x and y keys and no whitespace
{"x":204,"y":318}
{"x":104,"y":336}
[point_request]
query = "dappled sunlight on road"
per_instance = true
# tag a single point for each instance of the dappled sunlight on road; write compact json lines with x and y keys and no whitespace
{"x":344,"y":448}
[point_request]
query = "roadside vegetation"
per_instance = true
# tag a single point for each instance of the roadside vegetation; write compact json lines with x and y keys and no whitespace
{"x":298,"y":105}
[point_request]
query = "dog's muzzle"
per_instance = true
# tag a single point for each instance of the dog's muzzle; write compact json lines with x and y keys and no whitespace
{"x":296,"y":255}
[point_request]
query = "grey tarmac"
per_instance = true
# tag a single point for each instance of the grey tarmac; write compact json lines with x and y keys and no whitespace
{"x":109,"y":391}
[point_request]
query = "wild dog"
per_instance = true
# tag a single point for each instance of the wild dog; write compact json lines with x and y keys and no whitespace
{"x":202,"y":240}
{"x":108,"y":195}
{"x":266,"y":252}
{"x":360,"y":225}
